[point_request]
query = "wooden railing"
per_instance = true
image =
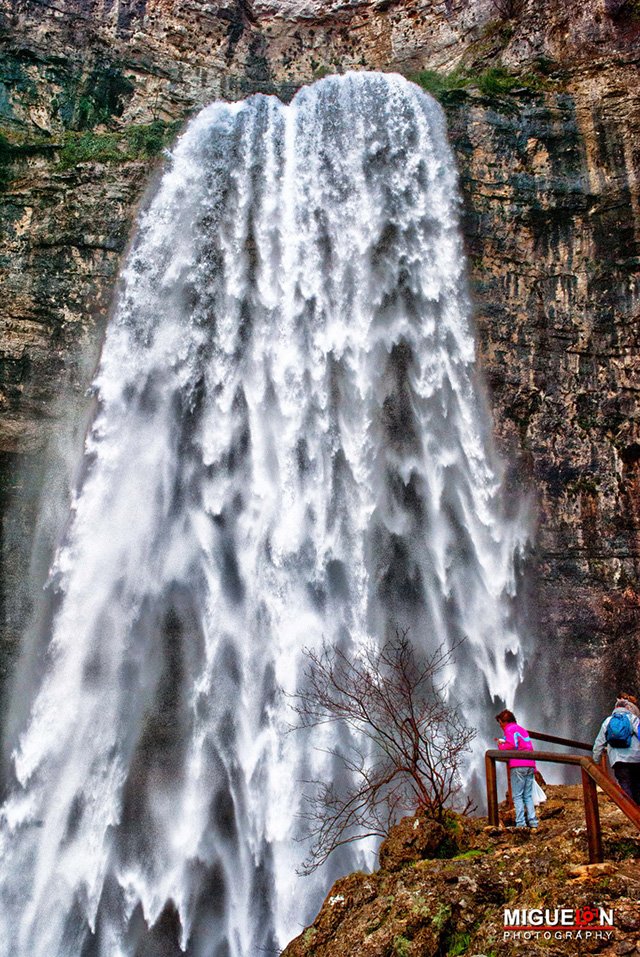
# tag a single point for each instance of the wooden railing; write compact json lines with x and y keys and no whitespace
{"x":565,"y":742}
{"x":593,"y":775}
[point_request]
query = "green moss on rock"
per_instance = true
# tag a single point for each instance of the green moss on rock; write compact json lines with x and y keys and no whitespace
{"x":90,"y":148}
{"x":134,"y":143}
{"x":417,"y":838}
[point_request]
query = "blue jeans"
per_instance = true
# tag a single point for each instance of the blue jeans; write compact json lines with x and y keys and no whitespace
{"x":521,"y":789}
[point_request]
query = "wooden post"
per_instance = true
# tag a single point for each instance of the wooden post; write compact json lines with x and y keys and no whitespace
{"x":509,"y":791}
{"x":492,"y":791}
{"x":592,"y":818}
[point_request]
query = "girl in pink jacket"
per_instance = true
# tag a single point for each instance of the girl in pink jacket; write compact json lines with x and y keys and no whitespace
{"x":516,"y":738}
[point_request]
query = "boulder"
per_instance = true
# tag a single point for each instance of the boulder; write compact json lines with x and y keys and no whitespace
{"x":414,"y":839}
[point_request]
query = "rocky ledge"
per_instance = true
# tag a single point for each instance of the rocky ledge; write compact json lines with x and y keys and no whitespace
{"x":444,"y":895}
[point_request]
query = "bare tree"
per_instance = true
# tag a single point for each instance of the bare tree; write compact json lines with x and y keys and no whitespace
{"x":404,"y":748}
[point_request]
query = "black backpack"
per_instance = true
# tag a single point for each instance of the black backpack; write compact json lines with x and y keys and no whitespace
{"x":619,"y":730}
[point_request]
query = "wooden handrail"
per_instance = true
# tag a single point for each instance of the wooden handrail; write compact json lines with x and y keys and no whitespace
{"x":613,"y":790}
{"x":554,"y":757}
{"x":567,"y":742}
{"x":591,"y":773}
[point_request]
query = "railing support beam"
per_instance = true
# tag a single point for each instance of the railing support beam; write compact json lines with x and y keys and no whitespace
{"x":592,"y":818}
{"x":492,"y":791}
{"x":593,"y":776}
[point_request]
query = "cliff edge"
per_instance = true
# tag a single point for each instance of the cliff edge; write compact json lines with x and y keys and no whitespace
{"x":417,"y":905}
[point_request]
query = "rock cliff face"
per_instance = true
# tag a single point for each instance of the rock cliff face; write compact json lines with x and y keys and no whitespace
{"x":429,"y":902}
{"x":541,"y":97}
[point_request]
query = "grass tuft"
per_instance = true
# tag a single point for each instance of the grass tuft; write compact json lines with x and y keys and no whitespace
{"x":467,"y":855}
{"x":401,"y":946}
{"x":458,"y":945}
{"x":494,"y":83}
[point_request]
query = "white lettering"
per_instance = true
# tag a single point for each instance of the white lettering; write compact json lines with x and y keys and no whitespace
{"x":512,"y":918}
{"x":606,"y":917}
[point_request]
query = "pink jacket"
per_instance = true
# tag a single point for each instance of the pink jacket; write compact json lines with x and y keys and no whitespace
{"x":517,"y":738}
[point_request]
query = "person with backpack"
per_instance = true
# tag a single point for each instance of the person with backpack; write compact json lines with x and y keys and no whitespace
{"x":619,"y":733}
{"x":516,"y":738}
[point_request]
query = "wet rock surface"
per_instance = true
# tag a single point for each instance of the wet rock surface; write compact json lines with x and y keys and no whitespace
{"x":545,"y":126}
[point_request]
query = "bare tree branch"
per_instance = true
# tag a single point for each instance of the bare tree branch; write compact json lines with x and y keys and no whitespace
{"x":405,"y":743}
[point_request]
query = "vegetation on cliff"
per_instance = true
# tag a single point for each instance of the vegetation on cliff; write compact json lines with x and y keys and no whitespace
{"x":142,"y":141}
{"x":493,"y":83}
{"x":135,"y":142}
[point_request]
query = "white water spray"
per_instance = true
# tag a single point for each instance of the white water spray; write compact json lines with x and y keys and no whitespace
{"x":290,"y":445}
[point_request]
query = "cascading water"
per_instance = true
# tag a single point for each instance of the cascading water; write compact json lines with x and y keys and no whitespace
{"x":289,"y":445}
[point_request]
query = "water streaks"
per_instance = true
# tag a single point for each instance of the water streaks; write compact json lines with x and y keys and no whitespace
{"x":290,"y":444}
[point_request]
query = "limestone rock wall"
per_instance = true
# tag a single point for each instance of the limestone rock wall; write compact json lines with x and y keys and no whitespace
{"x":551,"y":193}
{"x":541,"y":97}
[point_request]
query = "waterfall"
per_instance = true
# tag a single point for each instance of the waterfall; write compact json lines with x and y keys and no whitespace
{"x":290,"y":445}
